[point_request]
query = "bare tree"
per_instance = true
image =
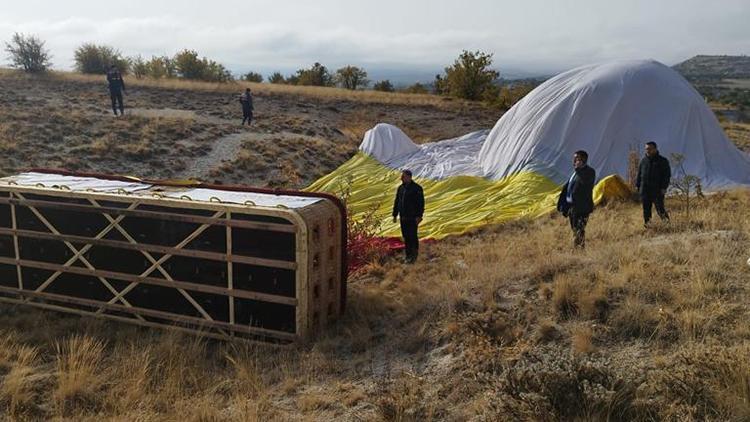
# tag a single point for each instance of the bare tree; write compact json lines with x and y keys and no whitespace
{"x":28,"y":53}
{"x":686,"y":186}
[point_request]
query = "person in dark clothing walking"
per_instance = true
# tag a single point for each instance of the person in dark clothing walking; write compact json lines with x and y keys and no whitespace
{"x":576,"y":199}
{"x":116,"y":88}
{"x":409,"y":206}
{"x":246,"y":100}
{"x":652,"y":182}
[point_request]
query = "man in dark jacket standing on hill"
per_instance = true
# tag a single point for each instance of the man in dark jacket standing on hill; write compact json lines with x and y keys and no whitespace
{"x":576,"y":199}
{"x":652,"y":182}
{"x":116,"y":88}
{"x":246,"y":100}
{"x":409,"y":205}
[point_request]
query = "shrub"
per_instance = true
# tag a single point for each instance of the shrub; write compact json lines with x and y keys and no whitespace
{"x":509,"y":95}
{"x":417,"y":88}
{"x":384,"y":86}
{"x":96,"y":59}
{"x":28,"y":53}
{"x":276,"y":78}
{"x":364,"y":246}
{"x":252,"y":77}
{"x":317,"y":75}
{"x":189,"y":66}
{"x":440,"y":85}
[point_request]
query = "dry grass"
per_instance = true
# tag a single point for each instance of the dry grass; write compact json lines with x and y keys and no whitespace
{"x":739,"y":133}
{"x":642,"y":325}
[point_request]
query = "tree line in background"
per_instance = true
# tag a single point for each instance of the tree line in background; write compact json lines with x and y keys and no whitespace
{"x":470,"y":77}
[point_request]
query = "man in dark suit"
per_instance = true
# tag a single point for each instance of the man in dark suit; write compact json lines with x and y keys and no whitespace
{"x":409,"y":205}
{"x":246,"y":100}
{"x":576,"y":199}
{"x":116,"y":88}
{"x":654,"y":174}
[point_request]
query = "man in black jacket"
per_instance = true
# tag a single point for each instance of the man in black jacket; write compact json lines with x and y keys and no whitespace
{"x":409,"y":205}
{"x":246,"y":100}
{"x":116,"y":88}
{"x":576,"y":199}
{"x":652,"y":182}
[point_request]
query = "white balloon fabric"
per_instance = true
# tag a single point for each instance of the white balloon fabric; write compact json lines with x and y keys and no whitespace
{"x":385,"y":142}
{"x":434,"y":160}
{"x":608,"y":109}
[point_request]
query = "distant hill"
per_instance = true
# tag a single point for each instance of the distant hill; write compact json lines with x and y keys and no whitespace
{"x":715,"y":67}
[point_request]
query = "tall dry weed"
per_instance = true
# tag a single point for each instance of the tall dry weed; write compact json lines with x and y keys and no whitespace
{"x":80,"y":377}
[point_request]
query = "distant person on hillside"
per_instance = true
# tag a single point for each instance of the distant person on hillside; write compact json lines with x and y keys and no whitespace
{"x":654,"y":174}
{"x":576,"y":198}
{"x":116,"y":88}
{"x":246,"y":99}
{"x":409,"y":206}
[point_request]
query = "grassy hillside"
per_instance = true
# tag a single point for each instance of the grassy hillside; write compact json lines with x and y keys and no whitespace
{"x":508,"y":323}
{"x":705,"y":67}
{"x":178,"y":129}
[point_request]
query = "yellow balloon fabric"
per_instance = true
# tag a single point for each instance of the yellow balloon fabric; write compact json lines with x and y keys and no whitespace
{"x":453,"y":205}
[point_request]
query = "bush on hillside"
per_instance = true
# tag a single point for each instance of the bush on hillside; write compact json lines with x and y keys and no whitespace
{"x":252,"y":77}
{"x":276,"y":78}
{"x":417,"y":88}
{"x":509,"y":95}
{"x":189,"y":66}
{"x":161,"y":67}
{"x":96,"y":59}
{"x":384,"y":86}
{"x":316,"y":75}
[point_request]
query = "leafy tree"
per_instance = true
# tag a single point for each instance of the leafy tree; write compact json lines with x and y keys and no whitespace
{"x":385,"y":86}
{"x":28,"y":53}
{"x":252,"y":77}
{"x":351,"y":77}
{"x":317,"y":75}
{"x":188,"y":65}
{"x":470,"y":76}
{"x":417,"y":88}
{"x":96,"y":59}
{"x":276,"y":78}
{"x":216,"y":72}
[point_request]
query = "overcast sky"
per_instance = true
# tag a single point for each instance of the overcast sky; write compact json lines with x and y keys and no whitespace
{"x":529,"y":35}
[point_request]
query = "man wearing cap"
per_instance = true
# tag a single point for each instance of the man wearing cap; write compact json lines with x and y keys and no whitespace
{"x":409,"y":206}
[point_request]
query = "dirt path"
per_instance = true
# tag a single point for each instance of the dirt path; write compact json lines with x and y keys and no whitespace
{"x":223,"y":149}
